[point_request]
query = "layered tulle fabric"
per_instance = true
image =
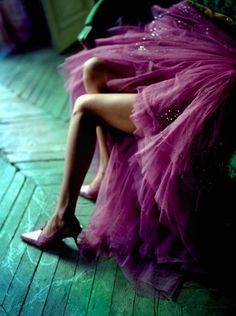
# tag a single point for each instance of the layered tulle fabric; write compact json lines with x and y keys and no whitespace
{"x":182,"y":68}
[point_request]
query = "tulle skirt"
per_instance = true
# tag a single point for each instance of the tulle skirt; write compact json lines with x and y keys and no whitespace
{"x":182,"y":68}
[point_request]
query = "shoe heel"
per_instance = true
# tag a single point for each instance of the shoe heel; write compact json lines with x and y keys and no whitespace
{"x":76,"y":234}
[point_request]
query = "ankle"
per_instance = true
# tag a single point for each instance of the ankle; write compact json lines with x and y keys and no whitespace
{"x":63,"y":216}
{"x":101,"y":171}
{"x":64,"y":210}
{"x":96,"y":182}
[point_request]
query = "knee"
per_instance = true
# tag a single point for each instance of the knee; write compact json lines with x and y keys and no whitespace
{"x":93,"y":67}
{"x":83,"y":111}
{"x":81,"y":104}
{"x":84,"y":106}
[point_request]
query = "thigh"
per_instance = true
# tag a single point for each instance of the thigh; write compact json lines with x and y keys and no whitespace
{"x":112,"y":108}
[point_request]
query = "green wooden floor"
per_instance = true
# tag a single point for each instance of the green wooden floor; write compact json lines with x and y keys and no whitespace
{"x":34,"y":115}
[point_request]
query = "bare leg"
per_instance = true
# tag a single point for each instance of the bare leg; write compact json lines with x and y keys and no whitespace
{"x":95,"y":78}
{"x":103,"y":158}
{"x":90,"y":111}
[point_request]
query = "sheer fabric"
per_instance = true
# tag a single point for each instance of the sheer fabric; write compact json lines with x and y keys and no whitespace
{"x":182,"y":68}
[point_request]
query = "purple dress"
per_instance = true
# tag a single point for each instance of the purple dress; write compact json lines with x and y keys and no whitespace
{"x":182,"y":67}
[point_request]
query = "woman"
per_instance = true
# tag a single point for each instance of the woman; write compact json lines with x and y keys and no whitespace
{"x":161,"y":92}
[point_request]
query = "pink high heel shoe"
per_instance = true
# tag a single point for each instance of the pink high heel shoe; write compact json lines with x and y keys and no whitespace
{"x":89,"y":193}
{"x":38,"y":239}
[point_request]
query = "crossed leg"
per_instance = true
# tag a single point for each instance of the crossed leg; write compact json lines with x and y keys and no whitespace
{"x":95,"y":74}
{"x":90,"y":111}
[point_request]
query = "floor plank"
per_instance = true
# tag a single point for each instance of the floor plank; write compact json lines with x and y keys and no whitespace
{"x":10,"y":257}
{"x":123,"y":296}
{"x":7,"y":174}
{"x":14,"y":217}
{"x":61,"y":283}
{"x":11,"y":69}
{"x":40,"y":285}
{"x":20,"y":282}
{"x":10,"y":196}
{"x":80,"y":291}
{"x":42,"y":91}
{"x":169,"y":308}
{"x":102,"y":291}
{"x":2,"y":311}
{"x":34,"y":116}
{"x":144,"y":306}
